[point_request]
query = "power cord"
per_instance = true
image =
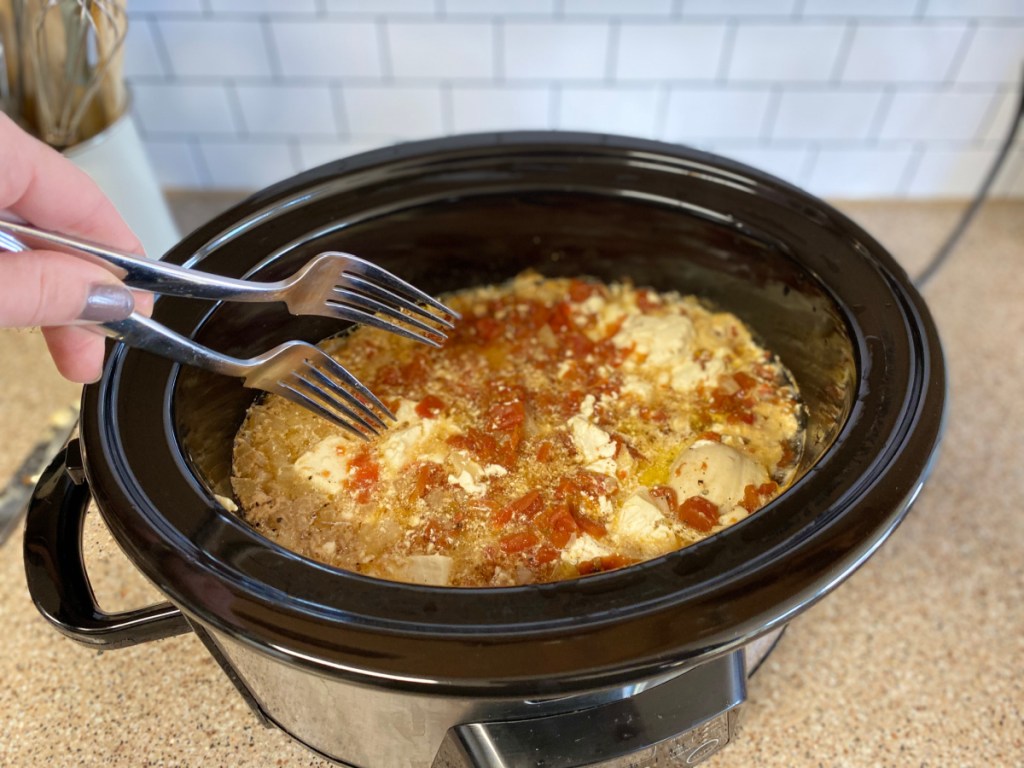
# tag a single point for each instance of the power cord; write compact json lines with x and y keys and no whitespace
{"x":953,"y":239}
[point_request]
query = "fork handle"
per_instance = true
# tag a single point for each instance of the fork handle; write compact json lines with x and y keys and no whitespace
{"x":144,"y":333}
{"x":147,"y":274}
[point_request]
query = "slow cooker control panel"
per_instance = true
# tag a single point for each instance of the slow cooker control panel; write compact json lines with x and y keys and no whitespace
{"x":679,"y":722}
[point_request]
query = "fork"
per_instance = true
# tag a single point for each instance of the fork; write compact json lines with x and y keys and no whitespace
{"x":332,"y":284}
{"x":295,"y":370}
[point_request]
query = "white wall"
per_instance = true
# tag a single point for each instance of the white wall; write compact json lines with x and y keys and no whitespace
{"x":849,"y":98}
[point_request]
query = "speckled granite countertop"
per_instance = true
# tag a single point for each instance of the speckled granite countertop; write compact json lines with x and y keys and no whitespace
{"x":917,"y":660}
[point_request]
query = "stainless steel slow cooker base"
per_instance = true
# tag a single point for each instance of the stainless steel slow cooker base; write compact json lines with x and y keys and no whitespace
{"x":675,"y":720}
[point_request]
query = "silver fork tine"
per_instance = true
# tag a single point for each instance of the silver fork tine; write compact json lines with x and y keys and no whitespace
{"x":350,"y":311}
{"x":353,"y":285}
{"x":359,"y":268}
{"x":291,"y":370}
{"x":368,"y":398}
{"x":291,"y":393}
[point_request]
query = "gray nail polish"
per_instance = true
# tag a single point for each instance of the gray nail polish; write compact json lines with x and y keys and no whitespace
{"x":106,"y":303}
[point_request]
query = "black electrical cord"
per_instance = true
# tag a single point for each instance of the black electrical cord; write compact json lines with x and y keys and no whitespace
{"x":947,"y":247}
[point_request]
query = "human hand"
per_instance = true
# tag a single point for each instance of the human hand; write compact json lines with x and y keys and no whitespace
{"x":56,"y":291}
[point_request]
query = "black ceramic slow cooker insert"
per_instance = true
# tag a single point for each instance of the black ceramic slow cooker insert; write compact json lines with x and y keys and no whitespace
{"x":301,"y":639}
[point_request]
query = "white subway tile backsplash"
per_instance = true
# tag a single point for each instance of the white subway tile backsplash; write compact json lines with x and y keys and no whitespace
{"x":496,"y":109}
{"x":974,"y":8}
{"x":140,"y":50}
{"x":950,"y":172}
{"x":165,"y":6}
{"x":850,"y":97}
{"x":823,"y":114}
{"x":791,"y":52}
{"x":214,"y":48}
{"x":174,"y":163}
{"x":709,"y":115}
{"x":499,"y":7}
{"x":314,"y":153}
{"x":295,"y":110}
{"x":739,"y":7}
{"x":996,"y":54}
{"x":378,"y":7}
{"x":399,"y":112}
{"x":327,"y":48}
{"x":860,"y":8}
{"x":245,"y":164}
{"x":617,"y":7}
{"x":999,"y":121}
{"x":903,"y":52}
{"x":442,"y":50}
{"x":626,"y":111}
{"x":787,"y":163}
{"x":183,"y":109}
{"x":859,"y":173}
{"x":936,"y":115}
{"x":261,"y":6}
{"x":556,"y":50}
{"x":669,"y":51}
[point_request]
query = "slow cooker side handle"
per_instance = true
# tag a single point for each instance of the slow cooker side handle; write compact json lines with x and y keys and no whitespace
{"x":55,"y":567}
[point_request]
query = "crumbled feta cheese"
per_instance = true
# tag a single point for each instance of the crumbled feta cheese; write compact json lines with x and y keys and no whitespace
{"x":641,"y":525}
{"x":594,"y":445}
{"x":582,"y":549}
{"x":434,"y":570}
{"x":325,"y":465}
{"x":226,"y":502}
{"x":716,"y":471}
{"x":405,"y":442}
{"x":661,"y":339}
{"x":470,"y":475}
{"x":688,"y":373}
{"x":587,"y":406}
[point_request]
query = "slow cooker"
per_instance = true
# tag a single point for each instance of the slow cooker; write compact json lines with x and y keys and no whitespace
{"x":641,"y":666}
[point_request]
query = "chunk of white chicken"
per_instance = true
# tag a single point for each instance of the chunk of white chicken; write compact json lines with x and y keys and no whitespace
{"x":717,"y":472}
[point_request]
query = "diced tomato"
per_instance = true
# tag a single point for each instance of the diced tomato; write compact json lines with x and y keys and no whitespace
{"x":712,"y":436}
{"x":429,"y":407}
{"x":427,"y":475}
{"x":592,"y":527}
{"x":416,"y":370}
{"x":545,"y":554}
{"x":504,"y":416}
{"x":486,"y":328}
{"x":527,"y":505}
{"x":436,"y":532}
{"x":745,"y":380}
{"x":364,"y":472}
{"x":667,"y":495}
{"x":561,"y":320}
{"x":479,"y":444}
{"x":697,"y":512}
{"x":755,"y":497}
{"x":517,"y":542}
{"x":646,"y":299}
{"x":581,"y":290}
{"x":558,"y":524}
{"x":734,"y":405}
{"x":601,"y":564}
{"x":387,"y":376}
{"x":544,"y":451}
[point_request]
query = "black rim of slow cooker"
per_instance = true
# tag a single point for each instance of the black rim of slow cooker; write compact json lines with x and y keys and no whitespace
{"x":600,"y":630}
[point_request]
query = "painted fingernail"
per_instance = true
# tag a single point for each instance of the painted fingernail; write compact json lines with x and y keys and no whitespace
{"x":106,"y":303}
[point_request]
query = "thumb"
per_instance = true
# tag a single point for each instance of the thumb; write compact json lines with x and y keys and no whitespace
{"x":46,"y":288}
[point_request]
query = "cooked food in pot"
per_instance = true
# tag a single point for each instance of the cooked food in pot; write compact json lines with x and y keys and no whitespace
{"x":567,"y":427}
